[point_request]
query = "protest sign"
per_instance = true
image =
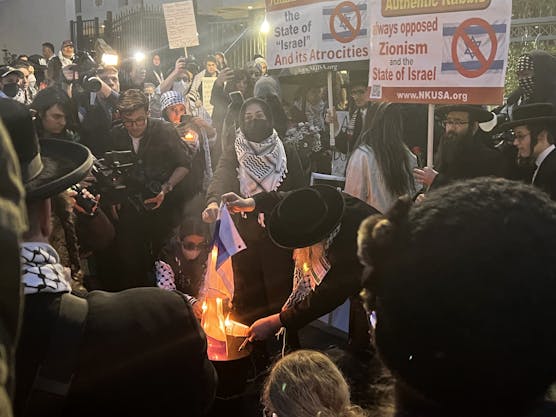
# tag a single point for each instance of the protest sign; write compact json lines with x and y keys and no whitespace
{"x":180,"y":24}
{"x":316,"y":33}
{"x":208,"y":84}
{"x":439,"y":51}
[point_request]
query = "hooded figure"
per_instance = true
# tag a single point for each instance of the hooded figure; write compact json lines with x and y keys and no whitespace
{"x":537,"y":83}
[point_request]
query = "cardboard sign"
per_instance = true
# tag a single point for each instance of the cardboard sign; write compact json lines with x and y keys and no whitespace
{"x":180,"y":24}
{"x":439,"y":51}
{"x":208,"y":84}
{"x":316,"y":32}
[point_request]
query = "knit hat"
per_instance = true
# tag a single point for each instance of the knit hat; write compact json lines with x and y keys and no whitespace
{"x":266,"y":86}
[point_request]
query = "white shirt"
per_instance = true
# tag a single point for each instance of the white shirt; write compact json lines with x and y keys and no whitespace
{"x":542,"y":156}
{"x":135,"y":142}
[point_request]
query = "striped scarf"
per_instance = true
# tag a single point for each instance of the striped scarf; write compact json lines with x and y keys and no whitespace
{"x":262,"y":166}
{"x":41,"y":270}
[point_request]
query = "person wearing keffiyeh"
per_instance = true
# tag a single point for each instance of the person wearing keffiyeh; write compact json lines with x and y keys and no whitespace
{"x":258,"y":161}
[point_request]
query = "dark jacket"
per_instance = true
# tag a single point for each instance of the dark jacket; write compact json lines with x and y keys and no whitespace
{"x":94,"y":132}
{"x":546,"y":175}
{"x":225,"y":180}
{"x":160,"y":153}
{"x":343,"y":280}
{"x":473,"y":160}
{"x":142,"y":353}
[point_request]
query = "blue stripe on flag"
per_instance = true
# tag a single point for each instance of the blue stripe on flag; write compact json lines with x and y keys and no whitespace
{"x":472,"y":65}
{"x":346,"y":9}
{"x":474,"y":30}
{"x":346,"y":34}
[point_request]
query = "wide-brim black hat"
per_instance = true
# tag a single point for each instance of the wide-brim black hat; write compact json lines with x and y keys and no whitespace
{"x":48,"y":167}
{"x":530,"y":114}
{"x":306,"y":216}
{"x":476,"y":113}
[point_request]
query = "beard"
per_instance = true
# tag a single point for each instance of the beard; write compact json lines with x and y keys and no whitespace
{"x":454,"y":147}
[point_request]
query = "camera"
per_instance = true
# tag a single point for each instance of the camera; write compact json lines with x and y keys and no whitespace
{"x":121,"y":180}
{"x":86,"y":68}
{"x":88,"y":204}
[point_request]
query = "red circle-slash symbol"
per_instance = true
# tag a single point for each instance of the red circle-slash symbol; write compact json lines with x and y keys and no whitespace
{"x":353,"y":30}
{"x":472,"y":46}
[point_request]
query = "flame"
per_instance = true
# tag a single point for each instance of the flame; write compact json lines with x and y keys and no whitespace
{"x":189,"y":137}
{"x":204,"y":307}
{"x":305,"y":267}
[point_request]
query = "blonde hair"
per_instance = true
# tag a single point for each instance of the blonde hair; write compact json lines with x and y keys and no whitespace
{"x":306,"y":383}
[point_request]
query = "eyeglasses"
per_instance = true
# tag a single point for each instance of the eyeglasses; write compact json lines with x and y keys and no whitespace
{"x":456,"y":123}
{"x":193,"y":246}
{"x":520,"y":137}
{"x":139,"y":122}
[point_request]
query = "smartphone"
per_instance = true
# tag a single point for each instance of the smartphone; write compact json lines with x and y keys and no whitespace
{"x":236,"y":97}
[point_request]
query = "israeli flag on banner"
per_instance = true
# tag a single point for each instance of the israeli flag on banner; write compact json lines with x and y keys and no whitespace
{"x":474,"y":47}
{"x":345,"y":21}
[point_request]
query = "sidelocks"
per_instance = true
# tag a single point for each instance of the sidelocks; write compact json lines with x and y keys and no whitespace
{"x":225,"y":337}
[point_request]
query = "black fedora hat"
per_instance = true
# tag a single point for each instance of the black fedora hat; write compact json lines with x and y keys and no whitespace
{"x":530,"y":114}
{"x":48,"y":167}
{"x":477,"y":113}
{"x":306,"y":216}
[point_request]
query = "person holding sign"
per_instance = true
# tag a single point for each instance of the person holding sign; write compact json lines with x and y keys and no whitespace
{"x":463,"y":153}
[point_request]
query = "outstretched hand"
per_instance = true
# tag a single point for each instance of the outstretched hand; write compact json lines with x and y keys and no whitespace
{"x":236,"y":204}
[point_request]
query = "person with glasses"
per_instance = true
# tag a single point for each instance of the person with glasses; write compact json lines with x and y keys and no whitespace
{"x":160,"y":165}
{"x":533,"y":127}
{"x":463,"y":152}
{"x":348,"y":135}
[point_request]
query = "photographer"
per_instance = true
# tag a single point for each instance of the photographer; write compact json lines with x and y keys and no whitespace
{"x":154,"y":187}
{"x":96,"y":119}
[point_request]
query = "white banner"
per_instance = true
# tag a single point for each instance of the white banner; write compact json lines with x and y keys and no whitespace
{"x":439,"y":52}
{"x":181,"y":27}
{"x":312,"y":32}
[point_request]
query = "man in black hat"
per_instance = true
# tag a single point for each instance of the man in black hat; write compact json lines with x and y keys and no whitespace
{"x":137,"y":352}
{"x":462,"y":153}
{"x":534,"y":136}
{"x":320,"y":224}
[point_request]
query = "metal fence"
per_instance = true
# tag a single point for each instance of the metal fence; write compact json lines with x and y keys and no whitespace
{"x":84,"y":33}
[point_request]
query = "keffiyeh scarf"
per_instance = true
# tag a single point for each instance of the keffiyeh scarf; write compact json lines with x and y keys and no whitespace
{"x":305,"y":279}
{"x":41,"y":271}
{"x":262,"y":166}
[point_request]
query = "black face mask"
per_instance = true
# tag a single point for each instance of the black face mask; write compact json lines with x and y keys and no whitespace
{"x":11,"y":89}
{"x":257,"y":130}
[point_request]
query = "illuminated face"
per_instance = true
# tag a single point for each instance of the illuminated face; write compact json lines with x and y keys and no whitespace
{"x":67,"y":51}
{"x":210,"y":67}
{"x":253,"y":111}
{"x":358,"y":93}
{"x":111,"y":79}
{"x":24,"y":83}
{"x":522,"y":141}
{"x":135,"y":122}
{"x":54,"y":120}
{"x":175,"y":112}
{"x":191,"y":246}
{"x":457,"y":125}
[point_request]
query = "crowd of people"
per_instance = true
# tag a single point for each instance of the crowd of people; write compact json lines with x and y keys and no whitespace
{"x":112,"y":179}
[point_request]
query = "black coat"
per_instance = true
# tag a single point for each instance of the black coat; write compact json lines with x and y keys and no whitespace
{"x":546,"y":175}
{"x":142,"y":353}
{"x":342,"y":281}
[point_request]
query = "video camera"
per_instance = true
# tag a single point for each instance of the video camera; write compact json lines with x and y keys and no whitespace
{"x":86,"y":68}
{"x":121,"y":180}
